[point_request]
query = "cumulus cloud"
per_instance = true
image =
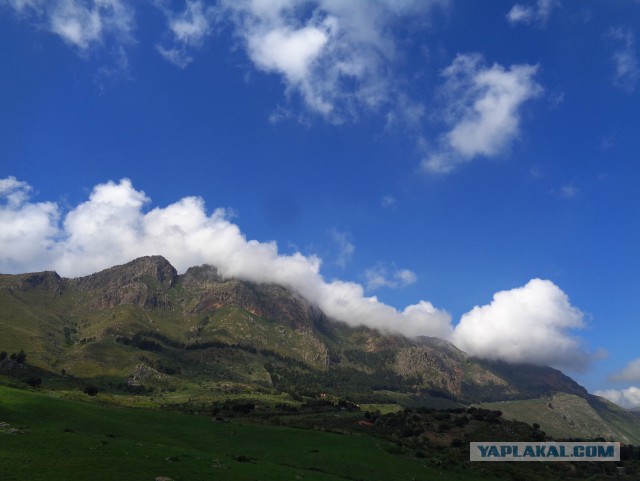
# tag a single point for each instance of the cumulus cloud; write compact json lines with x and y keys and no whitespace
{"x":380,"y":276}
{"x":626,"y":398}
{"x":528,"y":14}
{"x":483,"y":108}
{"x":188,"y":29}
{"x":631,"y":373}
{"x":625,"y":59}
{"x":336,"y":56}
{"x":14,"y":191}
{"x":27,"y":230}
{"x":116,"y":225}
{"x":529,"y":324}
{"x":80,"y":23}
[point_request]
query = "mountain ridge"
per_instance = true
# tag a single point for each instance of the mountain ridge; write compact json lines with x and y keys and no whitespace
{"x":143,"y":325}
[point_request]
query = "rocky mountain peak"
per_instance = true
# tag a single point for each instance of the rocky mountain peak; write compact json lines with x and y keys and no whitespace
{"x":144,"y":282}
{"x":155,"y":270}
{"x":47,"y":280}
{"x":200,"y":276}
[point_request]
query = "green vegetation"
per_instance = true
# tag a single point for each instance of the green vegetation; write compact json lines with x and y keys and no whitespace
{"x":78,"y":437}
{"x":120,"y":374}
{"x":73,"y":440}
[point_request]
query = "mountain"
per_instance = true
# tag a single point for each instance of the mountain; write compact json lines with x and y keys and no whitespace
{"x":141,"y":327}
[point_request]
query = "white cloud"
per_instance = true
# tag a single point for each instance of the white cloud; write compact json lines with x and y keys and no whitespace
{"x":337,"y":56}
{"x":81,"y":23}
{"x":625,"y":59}
{"x":175,"y":55}
{"x":483,"y":108}
{"x":631,"y":373}
{"x":15,"y":192}
{"x":27,"y":230}
{"x":289,"y":52}
{"x":528,"y":14}
{"x":529,"y":324}
{"x":521,"y":14}
{"x":20,"y":5}
{"x":379,"y":276}
{"x":188,"y":29}
{"x":114,"y":226}
{"x":193,"y":25}
{"x":627,"y":398}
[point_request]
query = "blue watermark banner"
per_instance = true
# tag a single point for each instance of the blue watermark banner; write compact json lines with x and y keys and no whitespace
{"x":547,"y":451}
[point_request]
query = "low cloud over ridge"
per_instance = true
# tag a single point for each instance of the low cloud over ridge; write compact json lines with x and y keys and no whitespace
{"x":113,"y":227}
{"x":530,"y":324}
{"x":631,"y":373}
{"x":627,"y":398}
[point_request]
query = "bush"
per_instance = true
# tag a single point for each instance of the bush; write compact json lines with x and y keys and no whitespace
{"x":34,"y":381}
{"x":91,"y":390}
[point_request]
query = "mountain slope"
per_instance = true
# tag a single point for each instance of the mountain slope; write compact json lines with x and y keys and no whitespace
{"x":143,"y":327}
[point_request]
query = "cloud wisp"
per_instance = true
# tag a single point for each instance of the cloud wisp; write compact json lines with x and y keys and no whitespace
{"x":631,"y":373}
{"x":337,"y":61}
{"x":379,"y":276}
{"x":530,"y":324}
{"x":482,"y":107}
{"x":625,"y":59}
{"x":528,"y":14}
{"x":627,"y":398}
{"x":337,"y":57}
{"x":345,"y":247}
{"x":81,"y":24}
{"x":187,"y":30}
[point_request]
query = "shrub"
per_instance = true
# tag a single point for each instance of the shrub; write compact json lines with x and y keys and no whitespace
{"x":91,"y":390}
{"x":21,"y":358}
{"x":34,"y":381}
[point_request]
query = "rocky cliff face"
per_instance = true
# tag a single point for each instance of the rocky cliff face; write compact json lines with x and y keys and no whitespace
{"x":48,"y":281}
{"x":269,"y":301}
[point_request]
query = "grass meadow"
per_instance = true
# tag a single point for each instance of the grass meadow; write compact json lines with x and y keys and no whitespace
{"x":51,"y":438}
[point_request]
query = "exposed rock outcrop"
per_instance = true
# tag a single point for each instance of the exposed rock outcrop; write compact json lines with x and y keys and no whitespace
{"x":144,"y":282}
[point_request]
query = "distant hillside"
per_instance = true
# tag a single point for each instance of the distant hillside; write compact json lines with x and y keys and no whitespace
{"x":564,"y":416}
{"x":143,"y":328}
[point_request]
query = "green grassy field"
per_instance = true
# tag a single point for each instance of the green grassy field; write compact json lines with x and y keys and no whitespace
{"x":83,"y":440}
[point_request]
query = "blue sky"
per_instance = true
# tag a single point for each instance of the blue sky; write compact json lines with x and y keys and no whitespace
{"x":444,"y":167}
